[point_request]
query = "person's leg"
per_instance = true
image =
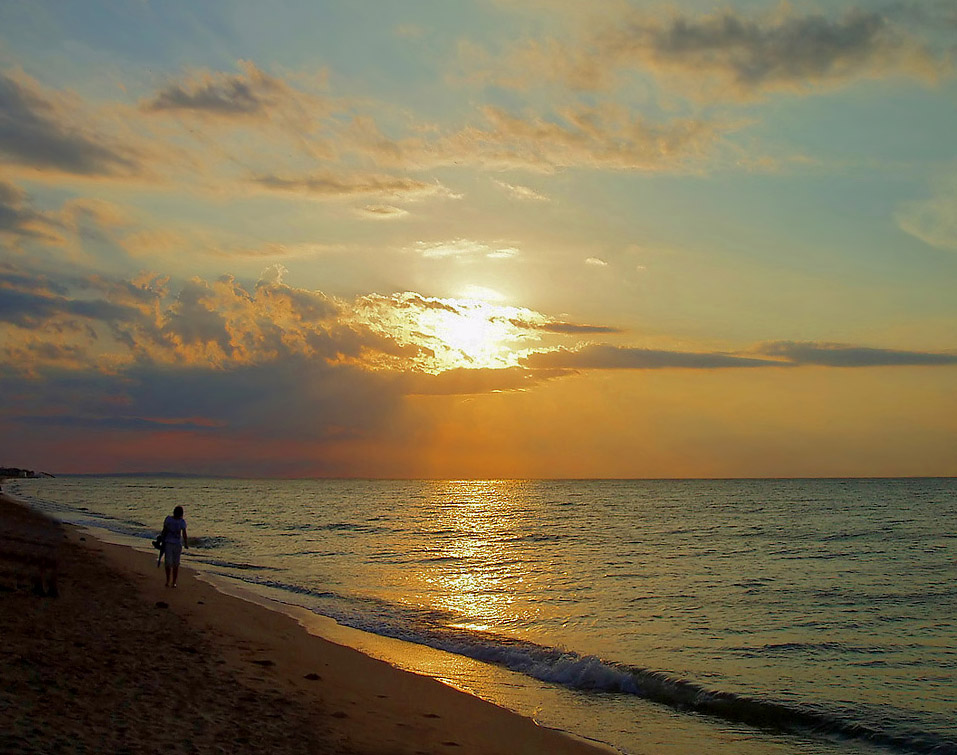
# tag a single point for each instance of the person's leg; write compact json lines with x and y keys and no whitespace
{"x":167,"y":574}
{"x":172,"y":561}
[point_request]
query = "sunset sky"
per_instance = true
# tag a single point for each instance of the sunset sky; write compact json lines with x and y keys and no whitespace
{"x":479,"y":238}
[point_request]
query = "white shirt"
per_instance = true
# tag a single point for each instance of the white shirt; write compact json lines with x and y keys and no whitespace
{"x":174,"y":527}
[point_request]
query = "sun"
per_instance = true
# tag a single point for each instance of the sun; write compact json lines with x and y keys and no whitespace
{"x":436,"y":335}
{"x":470,"y":333}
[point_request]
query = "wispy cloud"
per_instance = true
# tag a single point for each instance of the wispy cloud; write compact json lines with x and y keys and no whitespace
{"x":775,"y":354}
{"x":606,"y":136}
{"x":844,"y":355}
{"x":727,"y":54}
{"x":249,"y":93}
{"x":605,"y":357}
{"x":578,"y":135}
{"x":330,"y":185}
{"x":932,"y":220}
{"x":522,"y":192}
{"x":566,"y":328}
{"x":46,"y":130}
{"x":382,"y":212}
{"x":19,"y":219}
{"x":462,"y":248}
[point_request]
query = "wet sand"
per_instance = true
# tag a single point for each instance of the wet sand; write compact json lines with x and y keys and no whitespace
{"x":96,"y":655}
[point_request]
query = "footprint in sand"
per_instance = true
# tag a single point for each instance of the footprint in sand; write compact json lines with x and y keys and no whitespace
{"x":312,"y":677}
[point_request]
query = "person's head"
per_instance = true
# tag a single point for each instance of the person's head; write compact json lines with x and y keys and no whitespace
{"x":178,"y":512}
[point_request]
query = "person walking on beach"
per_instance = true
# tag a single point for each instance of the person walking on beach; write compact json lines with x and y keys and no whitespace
{"x":174,"y":540}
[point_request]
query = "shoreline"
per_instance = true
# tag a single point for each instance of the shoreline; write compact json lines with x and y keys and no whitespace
{"x":337,"y":698}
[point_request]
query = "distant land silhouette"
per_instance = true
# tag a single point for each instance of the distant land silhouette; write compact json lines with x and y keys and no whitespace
{"x":6,"y":472}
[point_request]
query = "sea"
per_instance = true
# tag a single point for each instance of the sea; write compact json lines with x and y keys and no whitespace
{"x":744,"y":617}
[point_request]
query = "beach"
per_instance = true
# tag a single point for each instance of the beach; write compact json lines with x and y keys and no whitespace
{"x":98,"y":656}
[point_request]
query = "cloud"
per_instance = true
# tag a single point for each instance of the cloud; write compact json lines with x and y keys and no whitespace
{"x":52,"y":307}
{"x":290,"y":399}
{"x":567,"y":328}
{"x":218,"y":324}
{"x":116,"y":324}
{"x":579,"y":135}
{"x":20,"y":220}
{"x":249,"y":371}
{"x":40,"y":129}
{"x":522,"y":192}
{"x":596,"y":262}
{"x":246,"y":94}
{"x":76,"y":212}
{"x":328,"y":185}
{"x":461,"y":248}
{"x":725,"y":54}
{"x":787,"y":52}
{"x":382,"y":212}
{"x":843,"y":355}
{"x":30,"y":309}
{"x":605,"y":136}
{"x":228,"y":361}
{"x":932,"y":220}
{"x":194,"y":320}
{"x":605,"y":357}
{"x":774,"y":354}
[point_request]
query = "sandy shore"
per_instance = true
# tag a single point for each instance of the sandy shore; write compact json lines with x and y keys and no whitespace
{"x":97,"y":656}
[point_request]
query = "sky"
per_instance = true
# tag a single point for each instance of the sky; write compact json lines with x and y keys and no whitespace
{"x":479,"y":238}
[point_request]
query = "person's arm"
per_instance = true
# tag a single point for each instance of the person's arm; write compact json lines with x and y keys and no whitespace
{"x":185,"y":539}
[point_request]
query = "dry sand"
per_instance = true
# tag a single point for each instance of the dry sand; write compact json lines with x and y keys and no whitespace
{"x":97,"y":656}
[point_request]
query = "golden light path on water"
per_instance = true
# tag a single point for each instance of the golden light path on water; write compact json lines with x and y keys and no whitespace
{"x":480,"y":572}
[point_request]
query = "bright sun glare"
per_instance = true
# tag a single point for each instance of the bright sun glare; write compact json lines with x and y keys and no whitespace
{"x":447,"y":334}
{"x":470,"y":334}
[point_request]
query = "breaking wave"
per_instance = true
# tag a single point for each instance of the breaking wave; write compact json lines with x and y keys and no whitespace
{"x":882,"y":726}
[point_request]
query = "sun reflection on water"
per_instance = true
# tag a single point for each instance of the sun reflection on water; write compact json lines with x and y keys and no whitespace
{"x":474,"y":564}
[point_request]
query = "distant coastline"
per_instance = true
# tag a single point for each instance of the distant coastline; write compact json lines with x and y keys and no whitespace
{"x":9,"y":473}
{"x":201,"y":476}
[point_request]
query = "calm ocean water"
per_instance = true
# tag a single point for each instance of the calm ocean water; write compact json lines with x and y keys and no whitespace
{"x":746,"y":616}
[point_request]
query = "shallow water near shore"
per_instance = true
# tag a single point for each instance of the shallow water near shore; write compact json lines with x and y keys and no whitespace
{"x":751,"y":616}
